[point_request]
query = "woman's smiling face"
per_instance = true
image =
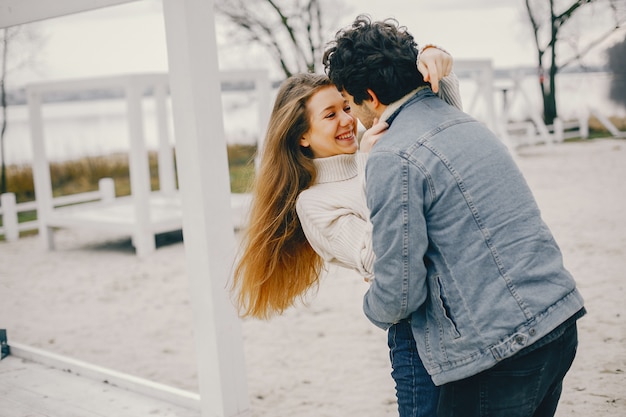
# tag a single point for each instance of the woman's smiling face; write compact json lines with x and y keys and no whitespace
{"x":333,"y":127}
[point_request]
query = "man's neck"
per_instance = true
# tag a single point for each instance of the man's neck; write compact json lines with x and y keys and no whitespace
{"x":392,"y":107}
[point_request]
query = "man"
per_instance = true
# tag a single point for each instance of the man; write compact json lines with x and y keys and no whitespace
{"x":461,"y":250}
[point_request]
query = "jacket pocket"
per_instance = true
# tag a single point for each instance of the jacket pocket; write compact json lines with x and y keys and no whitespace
{"x":446,"y":322}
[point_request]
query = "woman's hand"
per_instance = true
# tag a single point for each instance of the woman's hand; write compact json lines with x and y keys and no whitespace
{"x":434,"y":64}
{"x":371,"y":135}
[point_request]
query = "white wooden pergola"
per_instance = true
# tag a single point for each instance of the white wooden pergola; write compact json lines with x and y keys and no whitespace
{"x":145,"y":213}
{"x":203,"y":181}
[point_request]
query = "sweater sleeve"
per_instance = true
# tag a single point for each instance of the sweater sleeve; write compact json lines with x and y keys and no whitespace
{"x":449,"y":91}
{"x":337,"y":233}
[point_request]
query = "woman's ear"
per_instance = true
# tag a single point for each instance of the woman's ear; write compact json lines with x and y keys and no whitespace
{"x":304,"y":142}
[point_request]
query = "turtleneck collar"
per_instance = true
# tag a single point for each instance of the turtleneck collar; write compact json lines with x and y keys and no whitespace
{"x":336,"y":168}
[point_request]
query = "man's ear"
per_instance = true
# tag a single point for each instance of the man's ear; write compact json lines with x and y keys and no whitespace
{"x":374,"y":102}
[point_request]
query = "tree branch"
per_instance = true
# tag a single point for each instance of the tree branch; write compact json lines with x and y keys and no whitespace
{"x":536,"y":28}
{"x":588,"y":48}
{"x":285,"y":22}
{"x":564,"y":17}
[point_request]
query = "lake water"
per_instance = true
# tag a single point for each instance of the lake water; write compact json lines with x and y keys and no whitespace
{"x":88,"y":128}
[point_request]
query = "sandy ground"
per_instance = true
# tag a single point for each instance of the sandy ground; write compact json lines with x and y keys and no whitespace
{"x":92,"y":299}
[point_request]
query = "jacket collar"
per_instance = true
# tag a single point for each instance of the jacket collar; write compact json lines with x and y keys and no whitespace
{"x":394,"y":108}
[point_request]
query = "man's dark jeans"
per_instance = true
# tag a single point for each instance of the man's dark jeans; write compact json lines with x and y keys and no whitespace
{"x":417,"y":394}
{"x":528,"y":384}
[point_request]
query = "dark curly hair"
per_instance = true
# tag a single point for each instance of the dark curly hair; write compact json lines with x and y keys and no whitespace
{"x":381,"y":56}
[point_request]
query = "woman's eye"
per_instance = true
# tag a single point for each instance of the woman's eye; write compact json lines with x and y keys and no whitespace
{"x":330,"y":115}
{"x":347,"y":109}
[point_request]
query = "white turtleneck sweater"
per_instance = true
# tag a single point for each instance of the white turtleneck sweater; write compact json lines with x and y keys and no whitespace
{"x":334,"y":215}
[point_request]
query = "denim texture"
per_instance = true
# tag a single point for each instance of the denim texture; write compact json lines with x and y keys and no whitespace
{"x":417,"y":394}
{"x":460,"y":244}
{"x":527,"y":385}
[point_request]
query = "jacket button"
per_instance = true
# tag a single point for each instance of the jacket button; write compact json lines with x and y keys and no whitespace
{"x":519,"y":339}
{"x":532,"y":331}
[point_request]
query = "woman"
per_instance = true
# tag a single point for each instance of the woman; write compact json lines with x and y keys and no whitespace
{"x":309,"y":207}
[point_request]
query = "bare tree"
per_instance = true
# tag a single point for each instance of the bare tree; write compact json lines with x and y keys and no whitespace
{"x":15,"y":43}
{"x":294,"y":32}
{"x":548,"y":19}
{"x":616,"y":55}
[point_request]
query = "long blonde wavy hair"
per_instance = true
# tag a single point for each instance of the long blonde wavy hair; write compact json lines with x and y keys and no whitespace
{"x":277,"y":265}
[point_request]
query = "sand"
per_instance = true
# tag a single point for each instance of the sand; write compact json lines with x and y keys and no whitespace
{"x":92,"y":299}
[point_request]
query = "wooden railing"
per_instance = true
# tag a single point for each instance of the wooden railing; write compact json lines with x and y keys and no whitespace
{"x":9,"y":209}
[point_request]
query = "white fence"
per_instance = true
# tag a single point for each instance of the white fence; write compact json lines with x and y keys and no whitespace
{"x":9,"y":209}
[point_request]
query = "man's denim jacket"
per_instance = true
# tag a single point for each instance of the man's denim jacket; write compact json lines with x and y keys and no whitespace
{"x":460,"y":245}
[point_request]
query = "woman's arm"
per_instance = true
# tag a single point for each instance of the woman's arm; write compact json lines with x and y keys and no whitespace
{"x":339,"y":235}
{"x":449,"y":91}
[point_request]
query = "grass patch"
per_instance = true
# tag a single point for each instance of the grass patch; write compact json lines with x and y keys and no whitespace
{"x":241,"y":167}
{"x":82,"y":175}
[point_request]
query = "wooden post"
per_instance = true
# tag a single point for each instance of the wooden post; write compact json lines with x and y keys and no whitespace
{"x":143,"y":239}
{"x":202,"y":165}
{"x":9,"y":217}
{"x":583,"y":119}
{"x":167,"y":179}
{"x":106,"y":186}
{"x":41,"y":169}
{"x":558,"y":128}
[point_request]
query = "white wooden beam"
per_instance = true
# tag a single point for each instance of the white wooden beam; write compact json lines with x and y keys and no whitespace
{"x":115,"y":378}
{"x":17,"y":12}
{"x":202,"y":165}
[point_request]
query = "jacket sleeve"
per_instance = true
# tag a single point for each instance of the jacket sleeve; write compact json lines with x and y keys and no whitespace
{"x":399,"y":239}
{"x":449,"y":91}
{"x":338,"y":234}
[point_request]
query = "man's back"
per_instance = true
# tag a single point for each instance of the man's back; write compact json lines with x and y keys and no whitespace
{"x":482,"y":275}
